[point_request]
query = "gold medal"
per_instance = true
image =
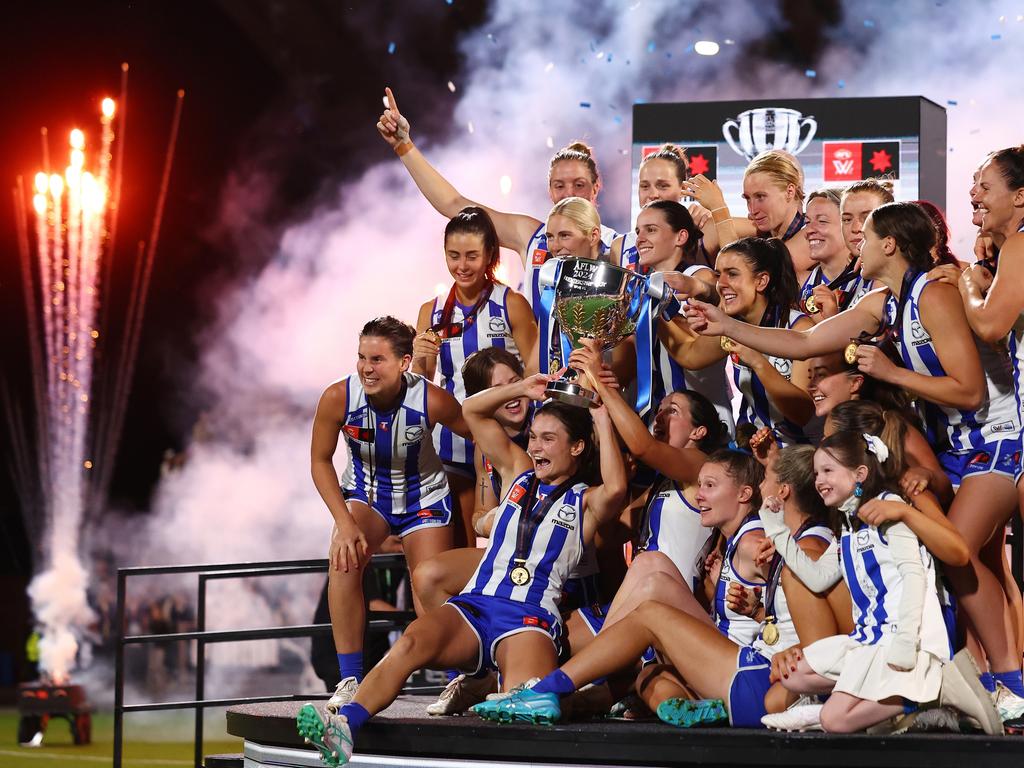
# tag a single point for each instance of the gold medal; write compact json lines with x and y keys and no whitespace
{"x":850,"y":353}
{"x":433,"y":335}
{"x":519,"y":576}
{"x":770,"y":633}
{"x":811,"y":305}
{"x":726,"y":343}
{"x":554,"y":365}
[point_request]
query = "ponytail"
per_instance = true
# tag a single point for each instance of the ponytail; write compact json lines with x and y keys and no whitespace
{"x":770,"y":255}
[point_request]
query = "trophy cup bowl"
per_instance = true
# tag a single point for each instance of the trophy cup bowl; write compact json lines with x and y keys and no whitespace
{"x":758,"y":130}
{"x":596,"y":300}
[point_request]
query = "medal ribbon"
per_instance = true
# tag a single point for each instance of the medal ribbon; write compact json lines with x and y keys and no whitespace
{"x":794,"y":226}
{"x":775,"y":571}
{"x":547,"y":328}
{"x":646,"y":342}
{"x":530,"y":522}
{"x":445,"y":328}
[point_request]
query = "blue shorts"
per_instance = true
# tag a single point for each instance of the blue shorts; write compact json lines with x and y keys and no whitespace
{"x":594,"y":615}
{"x":492,"y":619}
{"x":437,"y":515}
{"x":748,"y":688}
{"x":1000,"y":457}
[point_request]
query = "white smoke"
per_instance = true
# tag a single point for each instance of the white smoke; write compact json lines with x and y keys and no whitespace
{"x":529,"y":76}
{"x":60,"y":606}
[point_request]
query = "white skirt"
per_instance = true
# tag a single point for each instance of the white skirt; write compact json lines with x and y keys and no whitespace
{"x":862,"y":671}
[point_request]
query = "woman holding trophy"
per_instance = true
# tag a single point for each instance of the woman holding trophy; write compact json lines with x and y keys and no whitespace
{"x":479,"y":312}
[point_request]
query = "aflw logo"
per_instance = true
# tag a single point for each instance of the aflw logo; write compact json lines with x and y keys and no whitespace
{"x":843,"y":162}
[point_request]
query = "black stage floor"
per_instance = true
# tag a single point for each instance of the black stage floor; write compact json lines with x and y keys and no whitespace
{"x":404,"y":735}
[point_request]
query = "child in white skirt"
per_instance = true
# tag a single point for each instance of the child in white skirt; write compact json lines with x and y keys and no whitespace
{"x":893,"y":661}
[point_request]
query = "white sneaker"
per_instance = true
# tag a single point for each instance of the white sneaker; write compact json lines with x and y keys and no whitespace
{"x":962,"y":690}
{"x":799,"y":717}
{"x":343,"y":694}
{"x":462,"y":693}
{"x":1009,"y":704}
{"x":505,"y":694}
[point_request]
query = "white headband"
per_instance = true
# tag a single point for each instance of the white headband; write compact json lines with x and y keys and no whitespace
{"x":877,"y":447}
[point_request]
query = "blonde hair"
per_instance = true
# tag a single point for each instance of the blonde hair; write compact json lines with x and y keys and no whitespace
{"x":580,"y":212}
{"x":577,"y":152}
{"x":781,"y":167}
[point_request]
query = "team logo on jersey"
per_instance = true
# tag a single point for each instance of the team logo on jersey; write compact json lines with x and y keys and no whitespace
{"x":863,"y":540}
{"x":488,"y":467}
{"x":516,"y":494}
{"x":358,"y":433}
{"x":918,"y":333}
{"x":497,"y":325}
{"x":784,"y":366}
{"x":383,"y":426}
{"x":539,"y":257}
{"x":567,"y":512}
{"x":414,"y":434}
{"x":535,"y":621}
{"x":981,"y":457}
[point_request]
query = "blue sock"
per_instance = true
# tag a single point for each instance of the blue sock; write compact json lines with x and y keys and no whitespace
{"x":988,"y":681}
{"x":910,"y":706}
{"x":351,"y":665}
{"x":452,"y":674}
{"x":356,"y":715}
{"x":1011,"y":680}
{"x":557,"y":682}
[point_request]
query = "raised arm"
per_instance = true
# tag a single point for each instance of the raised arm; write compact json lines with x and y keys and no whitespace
{"x":514,"y":229}
{"x":831,"y":335}
{"x":690,"y":350}
{"x":926,"y":520}
{"x":993,"y":305}
{"x":505,"y":456}
{"x":484,"y":500}
{"x":605,"y":502}
{"x":426,"y":346}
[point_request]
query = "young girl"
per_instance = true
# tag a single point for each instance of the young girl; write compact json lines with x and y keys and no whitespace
{"x":394,"y":483}
{"x":713,"y":658}
{"x":894,"y":660}
{"x":506,"y":618}
{"x":757,"y":286}
{"x":477,"y":313}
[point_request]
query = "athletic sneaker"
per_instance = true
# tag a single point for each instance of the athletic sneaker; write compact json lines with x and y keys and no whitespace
{"x":525,"y":706}
{"x":962,"y":690}
{"x":331,"y":736}
{"x":801,"y":716}
{"x":343,"y":694}
{"x":686,"y":713}
{"x":499,"y":695}
{"x":462,"y":693}
{"x":1010,"y":705}
{"x":631,"y":708}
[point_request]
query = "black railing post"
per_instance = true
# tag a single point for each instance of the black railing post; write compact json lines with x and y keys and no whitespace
{"x":119,"y":670}
{"x":1017,"y":550}
{"x":200,"y":668}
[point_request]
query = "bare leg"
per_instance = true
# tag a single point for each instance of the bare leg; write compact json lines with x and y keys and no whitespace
{"x":579,"y":633}
{"x":658,"y":682}
{"x":442,"y":638}
{"x":444,"y":575}
{"x":806,"y":680}
{"x":993,"y":554}
{"x":844,"y":713}
{"x":423,"y":544}
{"x":980,"y":509}
{"x":523,"y":656}
{"x":626,"y":598}
{"x":345,"y":590}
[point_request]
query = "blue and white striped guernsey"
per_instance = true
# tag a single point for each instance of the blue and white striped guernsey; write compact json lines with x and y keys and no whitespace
{"x":755,"y":406}
{"x":783,"y":618}
{"x":952,"y":429}
{"x":393,"y":466}
{"x":1015,"y":342}
{"x":556,"y":550}
{"x":852,"y":288}
{"x":491,"y":328}
{"x":876,"y":588}
{"x":672,"y":526}
{"x":739,"y":628}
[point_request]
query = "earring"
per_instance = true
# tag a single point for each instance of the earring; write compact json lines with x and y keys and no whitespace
{"x":858,"y":490}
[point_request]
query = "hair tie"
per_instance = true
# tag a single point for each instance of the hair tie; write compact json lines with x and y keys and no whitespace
{"x":877,"y":447}
{"x":736,"y":448}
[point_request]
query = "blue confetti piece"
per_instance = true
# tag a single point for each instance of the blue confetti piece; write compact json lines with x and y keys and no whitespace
{"x":609,"y":58}
{"x":997,"y":37}
{"x":668,"y":55}
{"x":689,"y":48}
{"x":391,"y":48}
{"x":618,"y":120}
{"x":810,"y":73}
{"x":651,"y":46}
{"x":869,"y":23}
{"x":593,"y":46}
{"x":951,"y":102}
{"x":449,"y":1}
{"x":585,"y":104}
{"x":640,"y":101}
{"x":841,"y":84}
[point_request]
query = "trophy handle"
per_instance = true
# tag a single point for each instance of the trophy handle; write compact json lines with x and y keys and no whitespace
{"x":812,"y":124}
{"x":730,"y":140}
{"x":656,"y":286}
{"x":547,"y":275}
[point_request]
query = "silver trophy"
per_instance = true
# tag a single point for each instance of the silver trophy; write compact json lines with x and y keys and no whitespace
{"x":595,"y":300}
{"x":758,"y":130}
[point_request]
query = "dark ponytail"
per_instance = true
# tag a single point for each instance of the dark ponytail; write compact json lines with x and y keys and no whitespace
{"x":912,"y":229}
{"x":770,"y":255}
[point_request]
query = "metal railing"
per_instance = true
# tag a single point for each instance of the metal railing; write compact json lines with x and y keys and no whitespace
{"x":378,"y":620}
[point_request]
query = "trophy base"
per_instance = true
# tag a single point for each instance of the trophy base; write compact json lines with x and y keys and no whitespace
{"x":571,"y":394}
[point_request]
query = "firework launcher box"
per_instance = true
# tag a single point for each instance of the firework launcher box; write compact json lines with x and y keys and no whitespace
{"x":38,"y":703}
{"x":898,"y":139}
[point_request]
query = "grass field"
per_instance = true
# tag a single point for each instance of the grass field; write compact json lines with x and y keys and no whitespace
{"x":152,"y":740}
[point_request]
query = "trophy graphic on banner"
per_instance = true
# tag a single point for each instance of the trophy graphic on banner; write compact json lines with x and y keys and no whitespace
{"x":596,"y":300}
{"x":758,"y":130}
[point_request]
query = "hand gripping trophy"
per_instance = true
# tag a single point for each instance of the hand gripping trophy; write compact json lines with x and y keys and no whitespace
{"x":596,"y":300}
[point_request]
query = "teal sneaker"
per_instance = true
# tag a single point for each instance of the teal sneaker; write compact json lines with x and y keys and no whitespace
{"x":525,"y":706}
{"x":332,"y":737}
{"x":686,"y":713}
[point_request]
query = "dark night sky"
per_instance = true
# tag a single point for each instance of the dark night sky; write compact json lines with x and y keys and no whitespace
{"x":271,"y":88}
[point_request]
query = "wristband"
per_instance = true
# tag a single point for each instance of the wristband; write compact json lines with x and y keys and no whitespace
{"x":403,"y":148}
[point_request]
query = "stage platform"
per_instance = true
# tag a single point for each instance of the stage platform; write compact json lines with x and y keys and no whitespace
{"x":403,"y":735}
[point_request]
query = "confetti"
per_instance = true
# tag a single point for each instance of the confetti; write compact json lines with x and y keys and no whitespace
{"x":651,"y":46}
{"x":951,"y":102}
{"x":599,"y":55}
{"x":609,"y":58}
{"x":391,"y":48}
{"x":551,"y":142}
{"x":550,"y":66}
{"x":706,"y":47}
{"x":810,"y":73}
{"x":585,"y":104}
{"x":729,"y":41}
{"x":505,"y":184}
{"x":451,"y":86}
{"x":869,"y":23}
{"x":617,"y":120}
{"x":841,"y":84}
{"x":469,"y":125}
{"x":997,"y":37}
